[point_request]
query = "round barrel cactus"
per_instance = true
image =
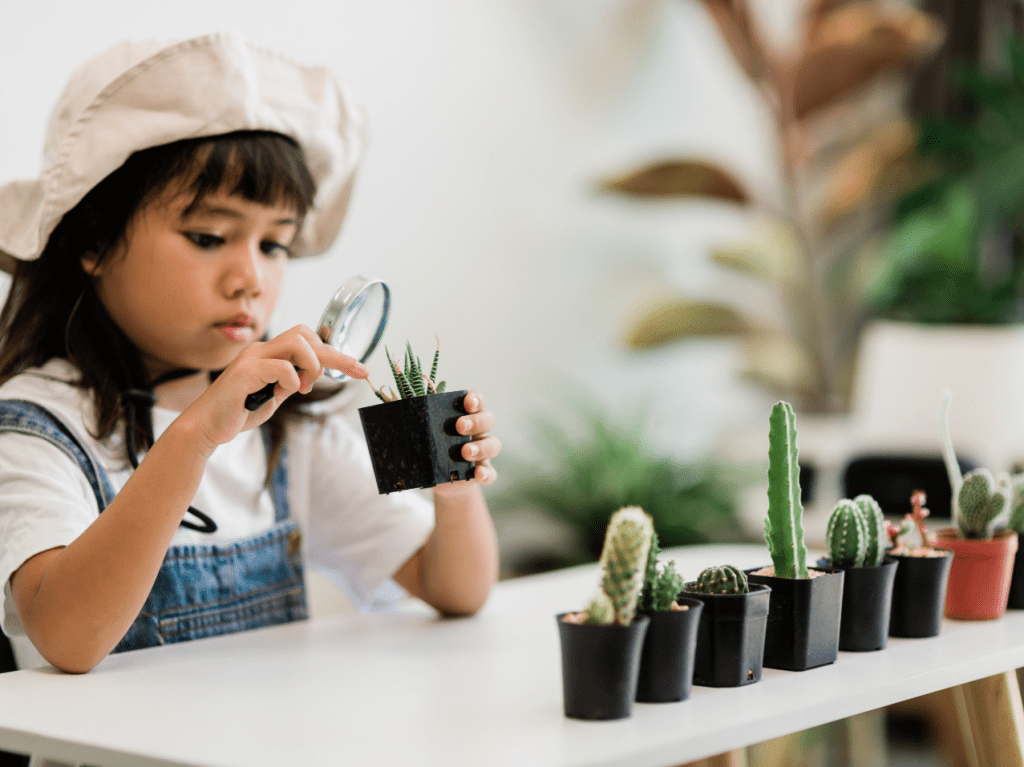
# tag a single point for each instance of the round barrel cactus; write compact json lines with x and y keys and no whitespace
{"x":846,"y":535}
{"x":722,"y":580}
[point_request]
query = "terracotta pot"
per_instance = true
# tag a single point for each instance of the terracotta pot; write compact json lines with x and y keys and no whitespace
{"x":600,"y":668}
{"x":730,"y":638}
{"x":803,"y":619}
{"x":979,"y":578}
{"x":666,"y":663}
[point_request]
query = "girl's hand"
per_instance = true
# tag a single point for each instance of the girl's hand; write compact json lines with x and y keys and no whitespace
{"x":293,"y":361}
{"x":476,"y":423}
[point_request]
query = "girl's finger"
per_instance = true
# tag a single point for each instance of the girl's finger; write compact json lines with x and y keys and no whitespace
{"x":478,"y":423}
{"x":473,"y":402}
{"x":485,"y":473}
{"x":481,"y":450}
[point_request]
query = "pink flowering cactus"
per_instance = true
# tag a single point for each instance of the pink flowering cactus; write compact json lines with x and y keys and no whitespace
{"x":914,"y":518}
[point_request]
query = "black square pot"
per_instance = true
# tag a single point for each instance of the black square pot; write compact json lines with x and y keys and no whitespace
{"x":666,"y":663}
{"x":919,"y":595}
{"x":1015,"y":600}
{"x":803,"y":619}
{"x":730,"y":638}
{"x":867,"y":605}
{"x":413,"y":442}
{"x":600,"y":668}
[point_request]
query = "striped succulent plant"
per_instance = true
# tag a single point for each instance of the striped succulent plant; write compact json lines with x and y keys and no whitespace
{"x":410,"y":379}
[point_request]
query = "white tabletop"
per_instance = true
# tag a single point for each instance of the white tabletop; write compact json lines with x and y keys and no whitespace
{"x":409,"y":688}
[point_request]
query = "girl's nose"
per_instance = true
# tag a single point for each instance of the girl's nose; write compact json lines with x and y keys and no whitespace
{"x":245,"y":272}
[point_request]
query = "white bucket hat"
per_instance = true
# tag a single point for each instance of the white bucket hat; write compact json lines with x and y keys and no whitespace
{"x":142,"y":94}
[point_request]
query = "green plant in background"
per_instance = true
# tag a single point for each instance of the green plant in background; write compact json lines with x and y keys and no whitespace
{"x":783,"y":525}
{"x":623,"y":566}
{"x":411,"y":382}
{"x":725,"y":579}
{"x":855,"y":536}
{"x":1016,"y":522}
{"x":590,"y":464}
{"x":954,"y":254}
{"x":661,"y":587}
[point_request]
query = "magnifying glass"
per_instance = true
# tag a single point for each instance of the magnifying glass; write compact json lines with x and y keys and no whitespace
{"x":352,"y":323}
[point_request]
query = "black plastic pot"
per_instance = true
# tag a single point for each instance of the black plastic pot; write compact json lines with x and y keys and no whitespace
{"x":730,"y":638}
{"x":1015,"y":601}
{"x":413,"y":442}
{"x":600,"y":668}
{"x":666,"y":663}
{"x":919,"y":595}
{"x":867,"y":605}
{"x":803,"y":619}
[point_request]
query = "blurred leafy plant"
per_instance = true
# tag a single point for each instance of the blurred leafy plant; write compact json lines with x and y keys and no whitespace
{"x":837,"y":102}
{"x":585,"y":471}
{"x":955,"y":253}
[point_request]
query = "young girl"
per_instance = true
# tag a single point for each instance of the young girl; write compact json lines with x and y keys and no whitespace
{"x":147,"y":258}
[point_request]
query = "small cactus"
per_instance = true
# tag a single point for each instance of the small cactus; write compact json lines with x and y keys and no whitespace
{"x":874,"y":521}
{"x":720,"y":580}
{"x":1016,"y":522}
{"x":783,"y":526}
{"x":411,"y":382}
{"x":981,"y":499}
{"x":627,"y":544}
{"x":847,"y":535}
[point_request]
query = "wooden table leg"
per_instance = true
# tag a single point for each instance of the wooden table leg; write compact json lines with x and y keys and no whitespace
{"x":737,"y":758}
{"x":991,"y":720}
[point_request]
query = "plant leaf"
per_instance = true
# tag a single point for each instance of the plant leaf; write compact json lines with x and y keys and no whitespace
{"x":679,"y":319}
{"x":678,"y":178}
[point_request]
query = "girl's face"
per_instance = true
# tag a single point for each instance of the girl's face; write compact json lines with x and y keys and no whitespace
{"x":193,"y":291}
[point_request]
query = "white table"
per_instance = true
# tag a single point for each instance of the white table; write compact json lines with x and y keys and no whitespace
{"x":411,"y":689}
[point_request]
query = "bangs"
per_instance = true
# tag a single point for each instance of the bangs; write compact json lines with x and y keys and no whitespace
{"x":262,"y":167}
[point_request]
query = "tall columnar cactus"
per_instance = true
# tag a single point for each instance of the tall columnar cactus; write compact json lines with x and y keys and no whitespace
{"x":627,"y":544}
{"x":783,"y":527}
{"x":847,"y":534}
{"x":874,"y":521}
{"x":981,"y":499}
{"x":721,"y":580}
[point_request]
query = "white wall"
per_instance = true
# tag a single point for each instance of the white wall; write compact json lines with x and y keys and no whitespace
{"x":490,"y":123}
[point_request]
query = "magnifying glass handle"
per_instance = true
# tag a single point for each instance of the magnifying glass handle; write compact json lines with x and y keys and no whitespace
{"x":258,"y":399}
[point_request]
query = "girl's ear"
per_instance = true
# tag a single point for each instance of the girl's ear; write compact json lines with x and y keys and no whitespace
{"x":91,"y":264}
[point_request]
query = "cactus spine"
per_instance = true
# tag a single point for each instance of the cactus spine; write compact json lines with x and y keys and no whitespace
{"x":627,"y":544}
{"x":874,"y":521}
{"x":721,"y":580}
{"x":847,"y":535}
{"x":981,"y":499}
{"x":783,"y":527}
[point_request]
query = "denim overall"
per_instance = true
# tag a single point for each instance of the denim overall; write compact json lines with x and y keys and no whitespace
{"x":201,"y":590}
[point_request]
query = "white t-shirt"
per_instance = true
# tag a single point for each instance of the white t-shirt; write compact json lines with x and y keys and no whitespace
{"x":355,"y":536}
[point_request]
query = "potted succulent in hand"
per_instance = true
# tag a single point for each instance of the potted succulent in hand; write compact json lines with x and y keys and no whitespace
{"x":979,"y":577}
{"x":919,"y":590}
{"x":803,"y":613}
{"x":601,"y":645}
{"x":666,"y":663}
{"x":856,"y":545}
{"x":730,"y":637}
{"x":412,"y":436}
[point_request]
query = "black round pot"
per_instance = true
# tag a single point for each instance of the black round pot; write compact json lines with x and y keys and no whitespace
{"x":803,"y":619}
{"x":730,"y":638}
{"x":666,"y":663}
{"x":1015,"y":600}
{"x":919,"y":595}
{"x":867,"y":606}
{"x":600,"y":668}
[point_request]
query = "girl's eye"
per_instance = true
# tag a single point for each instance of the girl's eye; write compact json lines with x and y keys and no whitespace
{"x":204,"y":241}
{"x":273,"y":249}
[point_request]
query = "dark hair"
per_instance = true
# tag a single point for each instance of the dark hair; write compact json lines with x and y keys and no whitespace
{"x":52,"y":309}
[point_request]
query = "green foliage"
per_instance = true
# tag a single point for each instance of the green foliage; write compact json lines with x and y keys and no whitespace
{"x":725,"y":579}
{"x":410,"y":380}
{"x":980,"y":501}
{"x":951,"y":256}
{"x":783,"y":526}
{"x":590,"y":464}
{"x":660,"y":587}
{"x":1016,"y":522}
{"x":624,"y":563}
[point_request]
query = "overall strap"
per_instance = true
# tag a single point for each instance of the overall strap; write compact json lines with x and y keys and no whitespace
{"x":279,"y":479}
{"x":29,"y":418}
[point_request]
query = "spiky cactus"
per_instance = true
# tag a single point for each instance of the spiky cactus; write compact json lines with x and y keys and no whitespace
{"x":412,"y":381}
{"x":783,"y":527}
{"x":725,"y":579}
{"x":660,"y":587}
{"x":981,"y":499}
{"x":874,"y":521}
{"x":847,"y":535}
{"x":627,"y":544}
